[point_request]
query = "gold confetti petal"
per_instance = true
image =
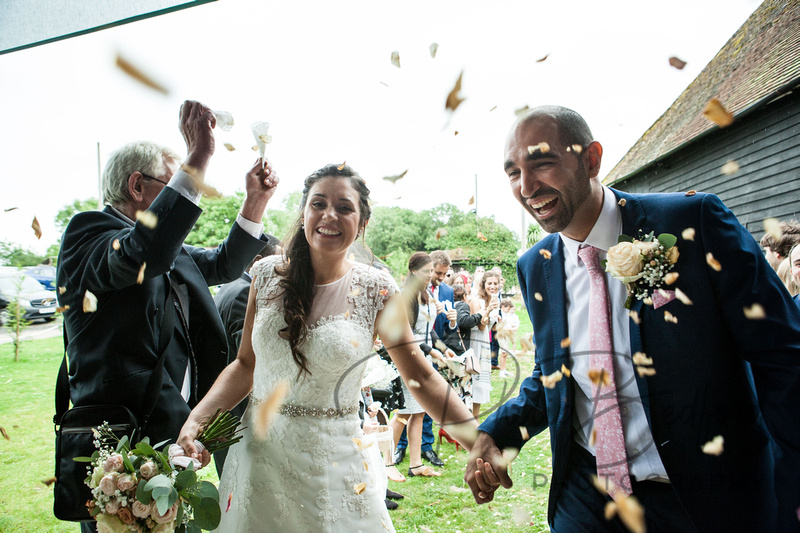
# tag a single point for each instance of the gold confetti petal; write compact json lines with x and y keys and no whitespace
{"x":147,"y":218}
{"x":341,"y":167}
{"x":209,"y":191}
{"x":599,"y":376}
{"x":538,"y":297}
{"x":549,"y":382}
{"x":669,"y":317}
{"x":631,"y":512}
{"x":622,"y":202}
{"x":359,"y":487}
{"x":772,"y":226}
{"x":268,"y":409}
{"x":610,"y":510}
{"x":730,"y":168}
{"x":691,"y":192}
{"x":524,"y":432}
{"x":647,"y":301}
{"x":481,"y":237}
{"x":413,"y":384}
{"x":394,"y":179}
{"x":4,"y":434}
{"x":472,"y":199}
{"x":137,"y":74}
{"x":62,"y":290}
{"x":545,"y":253}
{"x":677,"y":63}
{"x":635,"y":317}
{"x":715,"y":446}
{"x":264,"y":138}
{"x":433,"y":48}
{"x":671,"y":278}
{"x":441,"y":232}
{"x":37,"y":229}
{"x":680,"y":295}
{"x":716,"y":113}
{"x":645,"y":371}
{"x":492,"y":109}
{"x":541,"y":59}
{"x":640,"y":358}
{"x":89,"y":302}
{"x":542,"y":147}
{"x":62,"y":308}
{"x":713,"y":263}
{"x":688,"y":234}
{"x":115,"y":244}
{"x":50,"y":481}
{"x":254,"y":148}
{"x":593,"y":437}
{"x":360,"y":444}
{"x":566,"y":342}
{"x":577,"y":148}
{"x":396,"y":59}
{"x":521,"y":111}
{"x":566,"y":371}
{"x":454,"y":98}
{"x":755,"y":312}
{"x":140,"y":277}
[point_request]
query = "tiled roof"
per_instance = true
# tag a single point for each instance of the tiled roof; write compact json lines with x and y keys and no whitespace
{"x":761,"y":58}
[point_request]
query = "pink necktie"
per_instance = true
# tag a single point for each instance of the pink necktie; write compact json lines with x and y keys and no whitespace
{"x":612,"y":460}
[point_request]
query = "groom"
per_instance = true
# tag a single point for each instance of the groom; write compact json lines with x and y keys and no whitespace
{"x":706,"y":354}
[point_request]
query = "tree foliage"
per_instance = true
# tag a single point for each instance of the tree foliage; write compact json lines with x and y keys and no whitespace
{"x":66,"y":213}
{"x":14,"y":255}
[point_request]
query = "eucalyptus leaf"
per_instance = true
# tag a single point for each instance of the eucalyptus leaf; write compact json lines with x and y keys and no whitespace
{"x":208,"y":514}
{"x":624,"y":238}
{"x":667,"y":240}
{"x":142,"y":494}
{"x":206,"y":489}
{"x":146,"y":448}
{"x":187,"y":478}
{"x":82,"y":459}
{"x":158,"y":481}
{"x":191,"y":528}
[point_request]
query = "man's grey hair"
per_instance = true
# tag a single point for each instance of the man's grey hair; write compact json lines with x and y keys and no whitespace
{"x":146,"y":157}
{"x":440,"y":257}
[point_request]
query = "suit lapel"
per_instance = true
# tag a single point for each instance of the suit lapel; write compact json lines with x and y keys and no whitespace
{"x":633,"y":220}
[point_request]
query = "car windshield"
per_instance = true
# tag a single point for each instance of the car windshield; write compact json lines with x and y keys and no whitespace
{"x":11,"y":285}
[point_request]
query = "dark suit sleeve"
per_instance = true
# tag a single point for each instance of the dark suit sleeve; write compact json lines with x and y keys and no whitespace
{"x":465,"y":320}
{"x":527,"y":410}
{"x":227,"y":261}
{"x":236,"y":325}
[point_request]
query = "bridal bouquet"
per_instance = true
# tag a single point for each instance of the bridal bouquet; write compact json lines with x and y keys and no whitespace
{"x":642,"y":264}
{"x":143,"y":490}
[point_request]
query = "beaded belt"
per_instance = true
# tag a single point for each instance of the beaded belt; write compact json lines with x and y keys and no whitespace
{"x":330,"y":412}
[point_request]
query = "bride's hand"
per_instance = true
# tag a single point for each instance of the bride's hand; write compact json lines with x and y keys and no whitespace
{"x":189,"y":433}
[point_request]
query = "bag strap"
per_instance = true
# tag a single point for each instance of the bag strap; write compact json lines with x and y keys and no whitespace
{"x":156,"y":378}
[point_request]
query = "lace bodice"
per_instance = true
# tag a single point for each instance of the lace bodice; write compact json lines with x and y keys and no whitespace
{"x":339,"y":340}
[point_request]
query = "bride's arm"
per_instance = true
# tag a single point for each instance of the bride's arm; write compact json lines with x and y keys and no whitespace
{"x":432,"y":392}
{"x":230,"y":388}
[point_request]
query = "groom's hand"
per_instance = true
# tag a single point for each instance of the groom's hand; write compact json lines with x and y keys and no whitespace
{"x":487,"y":469}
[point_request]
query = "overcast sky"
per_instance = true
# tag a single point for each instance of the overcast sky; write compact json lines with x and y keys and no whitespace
{"x":321,"y":73}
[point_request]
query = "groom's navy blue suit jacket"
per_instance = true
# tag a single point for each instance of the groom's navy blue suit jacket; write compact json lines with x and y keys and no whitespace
{"x":703,"y":384}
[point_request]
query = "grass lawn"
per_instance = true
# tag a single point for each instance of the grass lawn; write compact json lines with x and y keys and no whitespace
{"x":431,"y":504}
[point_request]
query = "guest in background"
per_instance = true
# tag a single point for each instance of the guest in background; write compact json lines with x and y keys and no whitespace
{"x":776,"y":249}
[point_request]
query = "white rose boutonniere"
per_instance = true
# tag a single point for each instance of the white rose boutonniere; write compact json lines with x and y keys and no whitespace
{"x":642,"y":264}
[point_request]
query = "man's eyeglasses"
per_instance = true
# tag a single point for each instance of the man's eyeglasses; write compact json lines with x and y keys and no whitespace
{"x":152,"y":178}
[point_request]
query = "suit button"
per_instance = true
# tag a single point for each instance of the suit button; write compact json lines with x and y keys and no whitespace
{"x":623,"y":410}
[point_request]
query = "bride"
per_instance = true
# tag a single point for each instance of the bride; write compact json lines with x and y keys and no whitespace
{"x":311,"y":320}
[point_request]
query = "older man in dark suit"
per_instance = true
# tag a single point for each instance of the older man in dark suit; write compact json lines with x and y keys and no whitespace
{"x":139,"y":270}
{"x":646,"y":430}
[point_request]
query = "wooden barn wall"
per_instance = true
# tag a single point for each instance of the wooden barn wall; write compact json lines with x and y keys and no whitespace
{"x":766,"y":144}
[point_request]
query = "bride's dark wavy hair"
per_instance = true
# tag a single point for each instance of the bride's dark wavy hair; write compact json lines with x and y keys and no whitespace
{"x":298,"y":276}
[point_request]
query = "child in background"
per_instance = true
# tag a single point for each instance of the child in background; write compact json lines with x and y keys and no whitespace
{"x":508,"y":334}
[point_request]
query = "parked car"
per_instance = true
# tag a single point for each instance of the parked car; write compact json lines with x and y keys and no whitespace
{"x":38,"y":302}
{"x":46,"y":275}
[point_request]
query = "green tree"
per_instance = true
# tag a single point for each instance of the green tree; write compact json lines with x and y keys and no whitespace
{"x":535,"y":234}
{"x":13,"y":317}
{"x":215,"y":222}
{"x":66,"y":213}
{"x":14,"y":255}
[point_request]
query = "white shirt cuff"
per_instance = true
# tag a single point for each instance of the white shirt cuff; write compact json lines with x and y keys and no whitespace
{"x":253,"y":228}
{"x":185,"y":185}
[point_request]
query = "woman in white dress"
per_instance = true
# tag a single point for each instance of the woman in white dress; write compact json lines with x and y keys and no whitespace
{"x":311,"y":320}
{"x":487,"y":303}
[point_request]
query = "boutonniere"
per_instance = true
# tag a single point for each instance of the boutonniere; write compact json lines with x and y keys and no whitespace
{"x":642,"y":264}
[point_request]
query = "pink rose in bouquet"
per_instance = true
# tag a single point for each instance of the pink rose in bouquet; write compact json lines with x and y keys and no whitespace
{"x":169,"y":516}
{"x":148,"y":470}
{"x":113,"y":464}
{"x":112,"y":506}
{"x":125,"y":515}
{"x":126,"y":482}
{"x":140,"y":510}
{"x":109,"y":483}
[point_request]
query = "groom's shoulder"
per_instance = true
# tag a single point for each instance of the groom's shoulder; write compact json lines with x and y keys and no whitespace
{"x":541,"y":251}
{"x":670,"y":202}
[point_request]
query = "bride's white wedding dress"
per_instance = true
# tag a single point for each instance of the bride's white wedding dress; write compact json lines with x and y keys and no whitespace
{"x":308,"y":474}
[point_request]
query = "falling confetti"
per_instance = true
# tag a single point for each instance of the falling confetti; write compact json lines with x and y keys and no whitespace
{"x":266,"y":139}
{"x":3,"y":432}
{"x":577,"y":148}
{"x":137,"y":74}
{"x":522,"y":516}
{"x":691,"y":192}
{"x":440,"y":233}
{"x":715,"y":446}
{"x":396,"y":59}
{"x":360,"y":444}
{"x":89,"y":302}
{"x":524,"y":432}
{"x":647,"y":301}
{"x":772,"y":226}
{"x":640,"y":358}
{"x":230,"y":147}
{"x":671,"y":278}
{"x":713,"y":263}
{"x":472,"y":199}
{"x":645,"y":371}
{"x":266,"y":411}
{"x":454,"y":98}
{"x":413,"y":384}
{"x":433,"y":48}
{"x":541,"y":147}
{"x":456,"y":132}
{"x":677,"y":63}
{"x":254,"y":148}
{"x":565,"y":343}
{"x":50,"y":481}
{"x":10,"y":209}
{"x":492,"y":109}
{"x":62,"y":308}
{"x":545,"y":253}
{"x":669,"y":317}
{"x":635,"y":317}
{"x":593,"y":437}
{"x":209,"y":191}
{"x":394,"y":179}
{"x":622,"y":202}
{"x":115,"y":244}
{"x":482,"y":237}
{"x":62,"y":290}
{"x":755,"y":312}
{"x":680,"y":295}
{"x":628,"y":508}
{"x":230,"y":499}
{"x":716,"y":113}
{"x":140,"y":277}
{"x":521,"y":111}
{"x":359,"y":487}
{"x":147,"y":218}
{"x":37,"y":229}
{"x":549,"y":382}
{"x":599,"y":376}
{"x":341,"y":167}
{"x":688,"y":234}
{"x":538,"y":297}
{"x":541,"y":59}
{"x":730,"y":168}
{"x":566,"y":371}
